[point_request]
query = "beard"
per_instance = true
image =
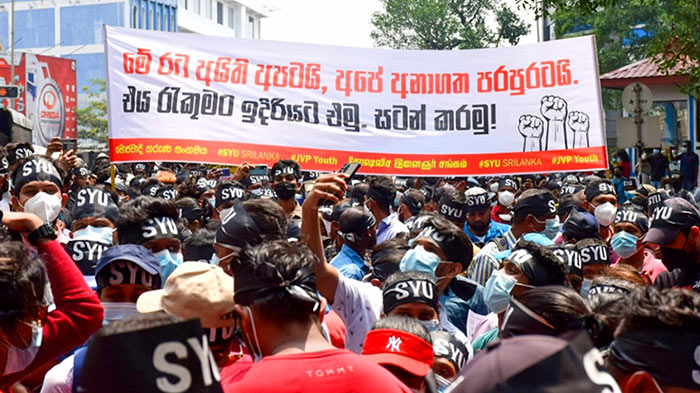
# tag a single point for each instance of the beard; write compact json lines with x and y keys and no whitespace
{"x":479,"y":227}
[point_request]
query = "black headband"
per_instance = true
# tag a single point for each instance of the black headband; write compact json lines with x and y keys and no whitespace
{"x":670,"y":356}
{"x":452,"y":210}
{"x":537,"y":274}
{"x":86,"y":254}
{"x":36,"y":169}
{"x":413,"y":206}
{"x":382,"y":271}
{"x":19,"y":153}
{"x":410,"y":291}
{"x":520,"y":320}
{"x":151,"y":229}
{"x":594,"y":254}
{"x":204,"y":185}
{"x":252,"y":283}
{"x":125,"y":272}
{"x":286,"y":170}
{"x":238,"y":228}
{"x":599,"y":188}
{"x":571,"y":189}
{"x":447,"y":345}
{"x":93,"y":202}
{"x":570,"y":256}
{"x":455,"y":250}
{"x":4,"y":165}
{"x":228,"y":194}
{"x":168,"y":193}
{"x":600,"y":289}
{"x":192,"y":213}
{"x":478,"y":202}
{"x":634,"y":216}
{"x":506,"y":182}
{"x":538,"y":205}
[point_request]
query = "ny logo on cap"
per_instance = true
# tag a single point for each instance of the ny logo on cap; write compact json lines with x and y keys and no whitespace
{"x":394,"y":344}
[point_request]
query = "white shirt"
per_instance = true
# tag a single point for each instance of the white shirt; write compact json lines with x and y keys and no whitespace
{"x":60,"y":378}
{"x":5,"y":202}
{"x":360,"y":305}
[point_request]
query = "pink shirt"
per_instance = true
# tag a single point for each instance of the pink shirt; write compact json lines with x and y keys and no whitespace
{"x":651,"y":265}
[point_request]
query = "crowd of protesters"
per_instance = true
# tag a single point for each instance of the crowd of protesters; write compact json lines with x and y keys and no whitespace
{"x":179,"y":277}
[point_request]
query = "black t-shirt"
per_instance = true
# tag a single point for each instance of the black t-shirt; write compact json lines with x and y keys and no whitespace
{"x":658,"y":163}
{"x":679,"y":278}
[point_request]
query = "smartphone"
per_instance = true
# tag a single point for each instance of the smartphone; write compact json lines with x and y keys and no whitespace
{"x":260,"y":175}
{"x":69,"y":144}
{"x":350,"y":169}
{"x":226,"y":172}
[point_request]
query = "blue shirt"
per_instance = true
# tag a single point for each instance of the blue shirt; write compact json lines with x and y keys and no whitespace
{"x":350,"y":264}
{"x":496,"y":229}
{"x":457,"y":308}
{"x":389,"y":228}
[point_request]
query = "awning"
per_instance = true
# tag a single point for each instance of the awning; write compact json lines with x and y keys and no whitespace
{"x":644,"y":71}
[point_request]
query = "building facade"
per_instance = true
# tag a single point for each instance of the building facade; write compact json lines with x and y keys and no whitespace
{"x":74,"y":28}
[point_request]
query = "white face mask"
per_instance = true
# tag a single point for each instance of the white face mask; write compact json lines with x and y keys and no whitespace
{"x":494,"y":187}
{"x":114,"y":311}
{"x":97,"y":234}
{"x":45,"y":206}
{"x":17,"y":358}
{"x":605,"y":213}
{"x":506,"y":198}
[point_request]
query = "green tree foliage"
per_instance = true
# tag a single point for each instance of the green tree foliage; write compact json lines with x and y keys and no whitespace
{"x":92,"y":119}
{"x":673,"y":27}
{"x":617,"y":31}
{"x":445,"y":24}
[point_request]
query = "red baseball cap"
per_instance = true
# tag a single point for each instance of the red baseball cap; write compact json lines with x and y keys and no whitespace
{"x":397,"y":348}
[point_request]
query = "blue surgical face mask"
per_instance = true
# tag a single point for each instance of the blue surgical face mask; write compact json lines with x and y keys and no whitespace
{"x":20,"y":358}
{"x":168,"y":261}
{"x":624,"y":244}
{"x":214,"y":260}
{"x":419,"y":259}
{"x":431,"y":324}
{"x":212,"y":202}
{"x":551,"y":228}
{"x":115,"y":311}
{"x":97,"y":234}
{"x":586,"y":287}
{"x":497,"y":291}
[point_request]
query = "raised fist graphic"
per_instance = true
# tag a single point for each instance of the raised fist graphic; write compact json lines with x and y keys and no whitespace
{"x":531,"y":128}
{"x":554,"y":110}
{"x":579,"y":124}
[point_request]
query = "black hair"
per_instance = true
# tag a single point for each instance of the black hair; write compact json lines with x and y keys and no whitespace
{"x":189,"y":189}
{"x":135,"y":212}
{"x":207,"y":210}
{"x":285,"y":163}
{"x":404,"y":324}
{"x":22,"y":282}
{"x":358,"y":191}
{"x":520,"y":215}
{"x":200,"y":243}
{"x":669,"y":309}
{"x":148,"y":183}
{"x":138,"y":322}
{"x":557,"y":271}
{"x":458,"y":246}
{"x":562,"y":307}
{"x":413,"y":195}
{"x":269,"y":217}
{"x":288,"y":258}
{"x":383,"y":191}
{"x":390,"y":251}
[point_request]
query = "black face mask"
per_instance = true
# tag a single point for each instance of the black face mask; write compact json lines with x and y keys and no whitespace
{"x":675,"y":258}
{"x":285,"y":191}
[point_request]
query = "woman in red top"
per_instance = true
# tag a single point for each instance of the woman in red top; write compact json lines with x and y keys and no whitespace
{"x":30,"y":336}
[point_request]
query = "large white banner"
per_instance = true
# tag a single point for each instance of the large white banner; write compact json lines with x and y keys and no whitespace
{"x":187,"y":97}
